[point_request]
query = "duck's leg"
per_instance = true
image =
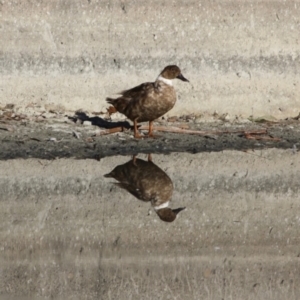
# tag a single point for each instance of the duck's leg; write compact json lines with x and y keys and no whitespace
{"x":134,"y":160}
{"x":150,"y":133}
{"x":135,"y":128}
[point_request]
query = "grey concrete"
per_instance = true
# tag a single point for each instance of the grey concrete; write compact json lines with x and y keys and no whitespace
{"x":66,"y":231}
{"x":242,"y":57}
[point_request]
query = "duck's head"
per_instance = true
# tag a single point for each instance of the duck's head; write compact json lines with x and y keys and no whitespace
{"x":167,"y":214}
{"x":172,"y":72}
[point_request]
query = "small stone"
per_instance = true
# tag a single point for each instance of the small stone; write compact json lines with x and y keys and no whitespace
{"x":225,"y":117}
{"x":87,"y":123}
{"x":173,"y":119}
{"x":9,"y":106}
{"x":198,"y":119}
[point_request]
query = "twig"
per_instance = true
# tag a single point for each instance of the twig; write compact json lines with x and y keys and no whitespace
{"x":109,"y":131}
{"x":174,"y":129}
{"x":198,"y":132}
{"x":248,"y":134}
{"x":76,"y":134}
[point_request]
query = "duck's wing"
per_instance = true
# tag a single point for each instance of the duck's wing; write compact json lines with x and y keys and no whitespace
{"x":139,"y":91}
{"x":133,"y":190}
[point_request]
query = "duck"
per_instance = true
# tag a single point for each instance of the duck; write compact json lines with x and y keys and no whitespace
{"x":149,"y":183}
{"x":148,"y":101}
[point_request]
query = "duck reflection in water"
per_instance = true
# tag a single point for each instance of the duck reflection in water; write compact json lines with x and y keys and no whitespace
{"x":147,"y":182}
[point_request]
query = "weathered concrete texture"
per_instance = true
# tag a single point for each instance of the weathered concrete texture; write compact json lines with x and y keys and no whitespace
{"x":242,"y":57}
{"x":66,"y":231}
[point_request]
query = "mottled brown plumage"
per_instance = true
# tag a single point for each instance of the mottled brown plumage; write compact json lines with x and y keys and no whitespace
{"x":147,"y":182}
{"x":150,"y":100}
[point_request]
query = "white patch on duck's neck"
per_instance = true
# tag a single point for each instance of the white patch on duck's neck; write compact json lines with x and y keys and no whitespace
{"x":164,"y":205}
{"x":165,"y":80}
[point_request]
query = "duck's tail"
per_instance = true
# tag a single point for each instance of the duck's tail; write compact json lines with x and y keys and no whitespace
{"x":111,"y":101}
{"x":112,"y":109}
{"x":119,"y":104}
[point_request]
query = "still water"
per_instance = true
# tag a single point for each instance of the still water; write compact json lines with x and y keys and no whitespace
{"x":183,"y":226}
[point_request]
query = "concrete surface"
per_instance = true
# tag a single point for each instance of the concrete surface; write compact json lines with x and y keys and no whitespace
{"x":66,"y":232}
{"x":242,"y":57}
{"x":69,"y":233}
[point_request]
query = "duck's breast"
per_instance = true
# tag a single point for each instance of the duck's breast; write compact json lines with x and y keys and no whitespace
{"x":157,"y":103}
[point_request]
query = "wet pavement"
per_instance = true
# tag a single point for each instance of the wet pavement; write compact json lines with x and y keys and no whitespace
{"x":71,"y":231}
{"x":62,"y":138}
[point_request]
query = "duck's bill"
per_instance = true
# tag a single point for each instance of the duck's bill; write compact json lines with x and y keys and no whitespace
{"x":109,"y":175}
{"x":177,"y":210}
{"x":180,"y":76}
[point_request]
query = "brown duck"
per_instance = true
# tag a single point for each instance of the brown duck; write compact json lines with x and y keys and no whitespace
{"x":148,"y":101}
{"x":147,"y":182}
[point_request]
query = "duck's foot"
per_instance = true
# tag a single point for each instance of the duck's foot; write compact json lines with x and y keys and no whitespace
{"x":154,"y":136}
{"x":138,"y":136}
{"x":150,"y":132}
{"x":135,"y":128}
